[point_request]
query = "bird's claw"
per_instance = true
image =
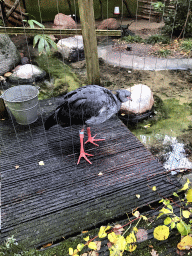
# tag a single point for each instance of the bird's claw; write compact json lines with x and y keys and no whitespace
{"x":83,"y":154}
{"x":92,"y":139}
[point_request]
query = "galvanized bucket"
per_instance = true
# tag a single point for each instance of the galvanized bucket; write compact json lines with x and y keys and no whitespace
{"x":22,"y":101}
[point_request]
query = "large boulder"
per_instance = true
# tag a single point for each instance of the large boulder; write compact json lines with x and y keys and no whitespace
{"x":26,"y":74}
{"x":111,"y":24}
{"x":71,"y":48}
{"x":9,"y":55}
{"x":63,"y":21}
{"x":142,"y":100}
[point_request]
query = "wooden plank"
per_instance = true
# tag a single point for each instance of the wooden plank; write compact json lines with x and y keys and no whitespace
{"x":87,"y":18}
{"x":43,"y":203}
{"x":50,"y":31}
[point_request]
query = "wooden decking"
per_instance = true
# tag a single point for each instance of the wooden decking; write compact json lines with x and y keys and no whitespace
{"x":42,"y":203}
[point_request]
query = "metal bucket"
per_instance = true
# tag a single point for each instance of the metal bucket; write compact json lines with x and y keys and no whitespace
{"x":22,"y":101}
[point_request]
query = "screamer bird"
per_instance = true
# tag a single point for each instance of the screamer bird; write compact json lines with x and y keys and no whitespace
{"x":88,"y":105}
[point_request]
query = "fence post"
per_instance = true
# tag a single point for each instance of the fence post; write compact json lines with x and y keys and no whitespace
{"x":87,"y":19}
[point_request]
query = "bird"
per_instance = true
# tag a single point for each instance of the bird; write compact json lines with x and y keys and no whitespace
{"x":87,"y":106}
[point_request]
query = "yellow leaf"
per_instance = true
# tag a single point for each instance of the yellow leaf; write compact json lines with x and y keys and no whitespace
{"x":100,"y":174}
{"x":165,"y":211}
{"x":92,"y":246}
{"x":121,"y":243}
{"x":102,"y":232}
{"x":186,"y":243}
{"x":70,"y":251}
{"x":131,"y":238}
{"x":186,"y":214}
{"x":80,"y":247}
{"x":161,"y":232}
{"x":186,"y":185}
{"x":136,"y":214}
{"x":41,"y":163}
{"x":16,"y":167}
{"x":138,"y":196}
{"x":154,"y":188}
{"x":112,"y":237}
{"x":86,"y":238}
{"x":131,"y":247}
{"x":135,"y":229}
{"x":83,"y":232}
{"x":189,"y":195}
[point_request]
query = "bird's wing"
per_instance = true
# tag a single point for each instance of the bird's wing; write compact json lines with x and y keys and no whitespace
{"x":104,"y":114}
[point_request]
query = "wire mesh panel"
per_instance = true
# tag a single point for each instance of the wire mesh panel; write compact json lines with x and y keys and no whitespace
{"x":45,"y":195}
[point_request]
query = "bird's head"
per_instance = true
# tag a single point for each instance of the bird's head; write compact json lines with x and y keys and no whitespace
{"x":123,"y":95}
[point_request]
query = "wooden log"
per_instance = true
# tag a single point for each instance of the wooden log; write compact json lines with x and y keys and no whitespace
{"x":87,"y":19}
{"x":51,"y":31}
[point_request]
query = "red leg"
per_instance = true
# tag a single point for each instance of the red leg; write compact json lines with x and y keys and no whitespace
{"x":92,"y":139}
{"x":82,"y":152}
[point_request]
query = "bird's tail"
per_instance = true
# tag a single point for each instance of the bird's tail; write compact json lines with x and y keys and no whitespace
{"x":51,"y":121}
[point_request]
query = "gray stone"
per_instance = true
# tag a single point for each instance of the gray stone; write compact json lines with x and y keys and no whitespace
{"x":9,"y":56}
{"x":142,"y":100}
{"x":71,"y":48}
{"x":26,"y":74}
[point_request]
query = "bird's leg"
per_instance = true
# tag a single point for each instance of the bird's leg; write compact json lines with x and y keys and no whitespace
{"x":92,"y":139}
{"x":82,"y":151}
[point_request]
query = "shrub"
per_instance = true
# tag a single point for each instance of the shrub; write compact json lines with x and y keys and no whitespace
{"x":175,"y":19}
{"x":157,"y":39}
{"x":133,"y":39}
{"x":186,"y":45}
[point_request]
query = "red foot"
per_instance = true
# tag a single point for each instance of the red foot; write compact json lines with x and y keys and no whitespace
{"x":83,"y":154}
{"x":92,"y":139}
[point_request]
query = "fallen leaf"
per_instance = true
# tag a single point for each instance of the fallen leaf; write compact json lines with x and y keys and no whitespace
{"x":154,"y":253}
{"x":137,"y":195}
{"x":16,"y":167}
{"x":84,"y":232}
{"x":99,"y":174}
{"x":118,"y":229}
{"x":46,"y":245}
{"x":141,"y":235}
{"x":41,"y":163}
{"x":186,"y":243}
{"x":7,"y":74}
{"x":98,"y":243}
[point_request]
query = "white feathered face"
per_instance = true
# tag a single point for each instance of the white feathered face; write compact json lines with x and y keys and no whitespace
{"x":123,"y":95}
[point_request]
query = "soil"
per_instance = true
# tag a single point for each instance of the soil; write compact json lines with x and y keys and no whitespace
{"x":165,"y":84}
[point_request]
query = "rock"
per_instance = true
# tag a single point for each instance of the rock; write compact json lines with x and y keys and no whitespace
{"x":26,"y":74}
{"x":111,"y":24}
{"x":24,"y":60}
{"x":63,"y":21}
{"x":9,"y":55}
{"x":142,"y":100}
{"x":71,"y":48}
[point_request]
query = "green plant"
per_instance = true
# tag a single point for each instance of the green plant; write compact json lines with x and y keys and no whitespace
{"x":158,"y":6}
{"x":173,"y":221}
{"x":43,"y":41}
{"x":186,"y":45}
{"x":157,"y":39}
{"x":178,"y":20}
{"x":163,"y":52}
{"x":133,"y":39}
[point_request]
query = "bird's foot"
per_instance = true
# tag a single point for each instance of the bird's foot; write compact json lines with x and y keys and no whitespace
{"x":92,"y":139}
{"x":83,"y":154}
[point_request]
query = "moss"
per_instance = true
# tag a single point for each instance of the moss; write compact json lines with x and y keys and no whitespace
{"x":171,"y":118}
{"x":63,"y":79}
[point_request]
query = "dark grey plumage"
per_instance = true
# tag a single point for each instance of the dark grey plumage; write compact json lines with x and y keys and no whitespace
{"x":90,"y":105}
